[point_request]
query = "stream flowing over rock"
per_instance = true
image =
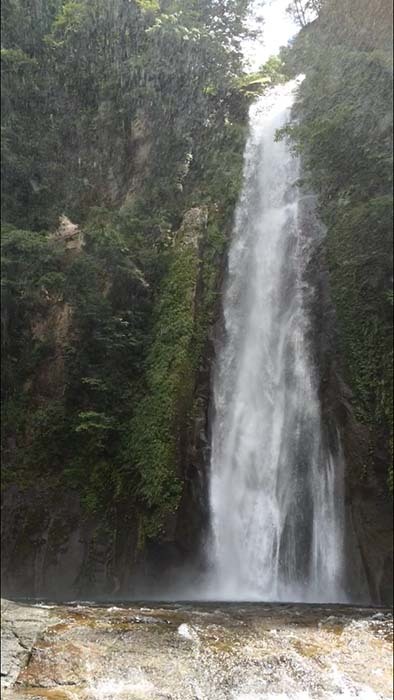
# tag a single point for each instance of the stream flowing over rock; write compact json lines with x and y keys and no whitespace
{"x":185,"y":651}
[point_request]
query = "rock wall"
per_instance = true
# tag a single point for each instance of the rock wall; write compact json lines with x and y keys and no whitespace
{"x":368,"y":505}
{"x":52,"y":550}
{"x":50,"y":546}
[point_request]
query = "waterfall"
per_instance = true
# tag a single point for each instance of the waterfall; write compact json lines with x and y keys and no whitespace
{"x":275,"y":488}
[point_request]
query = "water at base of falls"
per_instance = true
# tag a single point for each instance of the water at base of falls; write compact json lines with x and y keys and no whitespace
{"x":238,"y":651}
{"x":275,"y":489}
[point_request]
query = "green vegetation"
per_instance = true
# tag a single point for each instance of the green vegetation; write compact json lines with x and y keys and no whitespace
{"x":183,"y":317}
{"x":123,"y":116}
{"x":72,"y":344}
{"x":343,"y":130}
{"x":156,"y":426}
{"x":102,"y":100}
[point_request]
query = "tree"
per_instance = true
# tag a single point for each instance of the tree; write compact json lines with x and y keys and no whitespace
{"x":304,"y":11}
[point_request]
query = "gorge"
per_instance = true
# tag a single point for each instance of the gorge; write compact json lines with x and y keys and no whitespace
{"x":111,"y":325}
{"x":197,"y":352}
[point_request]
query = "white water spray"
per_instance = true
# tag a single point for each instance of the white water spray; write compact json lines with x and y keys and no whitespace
{"x":276,"y":490}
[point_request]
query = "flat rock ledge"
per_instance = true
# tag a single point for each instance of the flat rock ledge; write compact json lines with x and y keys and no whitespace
{"x":21,"y":625}
{"x":173,"y":651}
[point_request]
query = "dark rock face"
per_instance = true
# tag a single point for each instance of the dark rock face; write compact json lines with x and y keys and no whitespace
{"x":368,"y":506}
{"x":51,"y":548}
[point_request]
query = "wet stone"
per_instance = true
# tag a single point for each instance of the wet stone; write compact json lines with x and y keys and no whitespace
{"x":196,"y":652}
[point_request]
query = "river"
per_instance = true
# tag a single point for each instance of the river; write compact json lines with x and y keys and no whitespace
{"x":186,"y":651}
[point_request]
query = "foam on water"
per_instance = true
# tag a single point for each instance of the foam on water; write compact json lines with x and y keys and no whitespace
{"x":118,"y":689}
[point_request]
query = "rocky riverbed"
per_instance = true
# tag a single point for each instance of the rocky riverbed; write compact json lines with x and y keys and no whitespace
{"x":195,"y":652}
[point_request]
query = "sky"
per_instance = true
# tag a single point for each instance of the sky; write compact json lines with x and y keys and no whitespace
{"x":278,"y":28}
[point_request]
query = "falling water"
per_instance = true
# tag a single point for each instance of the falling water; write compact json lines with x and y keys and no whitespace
{"x":276,"y":496}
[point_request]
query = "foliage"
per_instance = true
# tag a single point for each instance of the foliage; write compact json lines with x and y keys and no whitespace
{"x":183,"y":315}
{"x":272,"y":72}
{"x":304,"y":11}
{"x":73,"y":333}
{"x":135,"y":77}
{"x":343,"y":132}
{"x":122,"y":115}
{"x":155,"y":429}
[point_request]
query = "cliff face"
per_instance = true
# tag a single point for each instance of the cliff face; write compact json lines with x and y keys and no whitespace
{"x":368,"y":504}
{"x":108,"y":324}
{"x":342,"y":127}
{"x":51,"y":545}
{"x":131,"y":125}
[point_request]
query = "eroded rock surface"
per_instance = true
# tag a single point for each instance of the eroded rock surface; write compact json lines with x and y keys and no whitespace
{"x":21,"y":626}
{"x":196,"y":652}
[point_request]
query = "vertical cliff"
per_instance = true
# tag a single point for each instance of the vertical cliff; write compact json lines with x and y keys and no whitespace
{"x":62,"y":537}
{"x":126,"y":120}
{"x":343,"y":129}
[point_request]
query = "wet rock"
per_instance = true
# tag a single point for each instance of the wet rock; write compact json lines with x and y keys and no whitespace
{"x":21,"y":626}
{"x":203,"y":652}
{"x":369,"y":508}
{"x":193,"y":226}
{"x":70,"y":234}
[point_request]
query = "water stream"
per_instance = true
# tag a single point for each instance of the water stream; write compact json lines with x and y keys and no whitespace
{"x":276,"y":490}
{"x":190,"y":651}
